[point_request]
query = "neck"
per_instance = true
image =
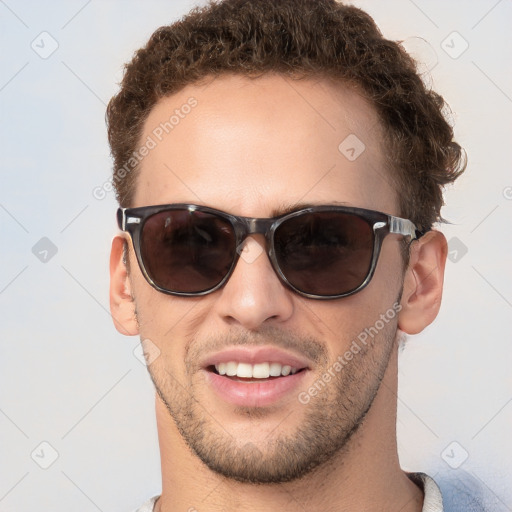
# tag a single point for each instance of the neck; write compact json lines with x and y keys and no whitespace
{"x":365,"y":476}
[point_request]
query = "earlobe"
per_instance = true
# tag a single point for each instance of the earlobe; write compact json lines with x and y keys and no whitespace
{"x":423,"y":283}
{"x":122,"y":305}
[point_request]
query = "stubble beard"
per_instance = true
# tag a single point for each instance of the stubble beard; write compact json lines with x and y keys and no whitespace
{"x":330,"y":418}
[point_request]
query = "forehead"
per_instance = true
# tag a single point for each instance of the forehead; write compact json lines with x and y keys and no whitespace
{"x":247,"y":145}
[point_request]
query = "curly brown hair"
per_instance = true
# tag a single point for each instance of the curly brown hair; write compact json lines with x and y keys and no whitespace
{"x":298,"y":39}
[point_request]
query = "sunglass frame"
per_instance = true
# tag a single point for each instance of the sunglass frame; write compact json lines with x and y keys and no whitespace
{"x":131,"y":220}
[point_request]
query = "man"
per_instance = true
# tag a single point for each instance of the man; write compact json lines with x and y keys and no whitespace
{"x":279,"y":167}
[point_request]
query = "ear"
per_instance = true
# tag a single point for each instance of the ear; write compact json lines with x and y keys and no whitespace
{"x":423,"y":282}
{"x":122,"y":305}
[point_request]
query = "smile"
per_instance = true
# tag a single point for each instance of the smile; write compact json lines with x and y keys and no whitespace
{"x":255,"y":371}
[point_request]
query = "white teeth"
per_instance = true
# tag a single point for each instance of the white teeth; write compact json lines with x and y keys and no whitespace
{"x":261,"y":371}
{"x":244,"y":370}
{"x":231,"y":368}
{"x":275,"y":370}
{"x":256,"y":371}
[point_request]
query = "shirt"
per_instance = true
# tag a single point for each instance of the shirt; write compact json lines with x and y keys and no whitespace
{"x":433,"y":501}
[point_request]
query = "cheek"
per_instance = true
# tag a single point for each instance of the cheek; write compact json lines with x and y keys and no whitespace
{"x":169,"y":322}
{"x":341,"y":321}
{"x":338,"y":324}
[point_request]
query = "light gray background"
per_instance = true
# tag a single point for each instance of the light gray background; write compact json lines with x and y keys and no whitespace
{"x":70,"y":380}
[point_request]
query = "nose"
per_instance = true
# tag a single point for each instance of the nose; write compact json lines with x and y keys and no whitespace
{"x":254,"y":294}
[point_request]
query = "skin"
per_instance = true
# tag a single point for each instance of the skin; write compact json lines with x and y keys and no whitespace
{"x":252,"y":147}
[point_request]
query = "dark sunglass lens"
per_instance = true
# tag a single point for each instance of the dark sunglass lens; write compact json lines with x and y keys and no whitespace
{"x":324,"y":253}
{"x":187,"y":251}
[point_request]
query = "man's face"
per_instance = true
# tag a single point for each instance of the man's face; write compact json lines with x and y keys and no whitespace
{"x":252,"y":148}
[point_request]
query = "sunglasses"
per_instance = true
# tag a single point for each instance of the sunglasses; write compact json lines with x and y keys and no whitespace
{"x":320,"y":252}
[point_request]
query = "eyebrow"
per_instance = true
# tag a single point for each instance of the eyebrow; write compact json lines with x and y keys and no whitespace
{"x":289,"y":208}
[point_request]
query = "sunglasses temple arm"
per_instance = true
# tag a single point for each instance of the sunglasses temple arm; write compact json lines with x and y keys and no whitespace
{"x":402,"y":227}
{"x":121,"y":217}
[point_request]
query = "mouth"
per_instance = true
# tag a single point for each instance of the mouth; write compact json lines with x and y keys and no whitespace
{"x":254,"y":377}
{"x":247,"y":372}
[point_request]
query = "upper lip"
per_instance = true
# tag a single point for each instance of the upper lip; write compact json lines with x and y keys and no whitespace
{"x":255,"y":355}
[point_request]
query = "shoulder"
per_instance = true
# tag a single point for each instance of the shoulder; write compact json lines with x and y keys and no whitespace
{"x":463,"y":492}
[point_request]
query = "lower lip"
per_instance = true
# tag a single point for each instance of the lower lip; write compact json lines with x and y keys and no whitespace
{"x":254,"y":394}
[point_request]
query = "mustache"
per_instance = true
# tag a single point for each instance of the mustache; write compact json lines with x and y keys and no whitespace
{"x":305,"y":345}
